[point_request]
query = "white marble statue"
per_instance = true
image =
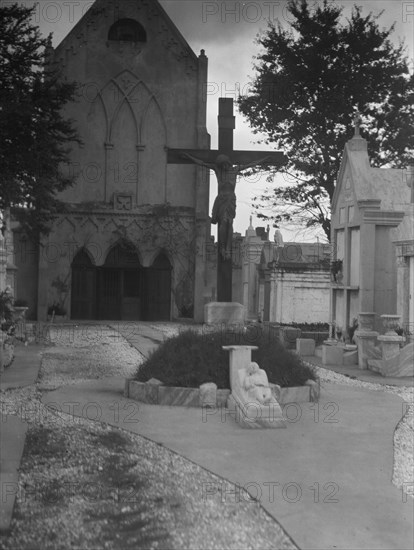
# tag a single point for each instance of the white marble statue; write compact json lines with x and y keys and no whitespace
{"x":256,"y":384}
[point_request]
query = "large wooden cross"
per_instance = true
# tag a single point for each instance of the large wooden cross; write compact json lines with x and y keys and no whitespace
{"x":227,"y":164}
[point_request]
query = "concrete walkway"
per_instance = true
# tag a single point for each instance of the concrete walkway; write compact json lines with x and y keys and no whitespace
{"x":22,"y":372}
{"x":326,"y":478}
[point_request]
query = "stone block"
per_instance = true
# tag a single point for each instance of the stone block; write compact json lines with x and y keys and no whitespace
{"x":178,"y":397}
{"x":299,"y":394}
{"x":366,"y":347}
{"x":154,"y":382}
{"x":228,"y":313}
{"x":397,"y":366}
{"x":305,"y":346}
{"x":375,"y":365}
{"x":350,"y":358}
{"x":208,"y":394}
{"x":332,"y":355}
{"x":222,"y":396}
{"x":137,"y":391}
{"x":151,"y":392}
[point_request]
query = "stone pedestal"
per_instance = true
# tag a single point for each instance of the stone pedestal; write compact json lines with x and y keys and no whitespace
{"x":228,"y":313}
{"x":332,"y":355}
{"x":390,"y":345}
{"x":366,"y":320}
{"x":240,"y":358}
{"x":366,"y":342}
{"x":305,"y":346}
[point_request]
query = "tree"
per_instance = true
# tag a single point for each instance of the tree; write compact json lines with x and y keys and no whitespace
{"x":35,"y":138}
{"x":309,"y":83}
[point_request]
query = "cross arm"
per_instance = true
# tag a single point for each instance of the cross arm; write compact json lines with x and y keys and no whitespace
{"x":177,"y":156}
{"x":251,"y":158}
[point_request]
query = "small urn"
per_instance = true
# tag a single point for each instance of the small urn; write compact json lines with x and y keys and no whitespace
{"x":390,"y":323}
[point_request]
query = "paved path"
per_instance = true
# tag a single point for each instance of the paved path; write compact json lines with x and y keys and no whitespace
{"x":22,"y":372}
{"x":143,"y":336}
{"x":326,"y":478}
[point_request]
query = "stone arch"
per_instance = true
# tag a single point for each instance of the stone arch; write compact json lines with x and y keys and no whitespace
{"x":153,"y":106}
{"x":120,"y":283}
{"x":153,"y":158}
{"x":115,"y":116}
{"x":123,"y":253}
{"x":98,"y":104}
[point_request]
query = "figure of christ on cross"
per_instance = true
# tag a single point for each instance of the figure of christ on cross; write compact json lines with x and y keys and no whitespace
{"x":227,"y":165}
{"x":224,"y":208}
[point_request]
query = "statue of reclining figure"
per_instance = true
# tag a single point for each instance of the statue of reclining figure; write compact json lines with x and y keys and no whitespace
{"x":254,"y":380}
{"x":253,"y":398}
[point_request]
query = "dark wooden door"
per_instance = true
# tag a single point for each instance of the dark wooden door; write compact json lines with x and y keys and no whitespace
{"x":83,"y":295}
{"x":158,"y":290}
{"x":110,"y":298}
{"x":131,"y":295}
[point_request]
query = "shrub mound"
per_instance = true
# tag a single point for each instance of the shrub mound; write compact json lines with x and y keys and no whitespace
{"x":191,"y":359}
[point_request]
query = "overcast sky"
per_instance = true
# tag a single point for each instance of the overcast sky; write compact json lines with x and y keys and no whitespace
{"x":227,"y":32}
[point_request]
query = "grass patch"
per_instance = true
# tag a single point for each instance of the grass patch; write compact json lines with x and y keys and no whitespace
{"x":191,"y":359}
{"x":112,"y":440}
{"x":45,"y":443}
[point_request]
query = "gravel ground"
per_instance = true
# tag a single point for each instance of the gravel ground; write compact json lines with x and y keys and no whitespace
{"x":87,"y":485}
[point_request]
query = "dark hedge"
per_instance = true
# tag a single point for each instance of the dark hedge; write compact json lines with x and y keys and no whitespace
{"x":191,"y":359}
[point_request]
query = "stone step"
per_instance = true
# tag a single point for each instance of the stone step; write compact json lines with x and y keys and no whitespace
{"x":374,"y":365}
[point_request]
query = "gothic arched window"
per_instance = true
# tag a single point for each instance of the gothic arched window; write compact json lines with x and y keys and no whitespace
{"x":127,"y":30}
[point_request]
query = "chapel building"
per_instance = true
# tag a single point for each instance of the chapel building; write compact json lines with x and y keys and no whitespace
{"x":130,"y":246}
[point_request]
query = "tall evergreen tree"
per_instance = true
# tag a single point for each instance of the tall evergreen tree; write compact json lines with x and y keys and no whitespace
{"x":310,"y":81}
{"x":35,"y":137}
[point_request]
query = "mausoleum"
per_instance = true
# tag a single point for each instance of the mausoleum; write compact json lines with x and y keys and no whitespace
{"x":372,"y":234}
{"x":281,"y":282}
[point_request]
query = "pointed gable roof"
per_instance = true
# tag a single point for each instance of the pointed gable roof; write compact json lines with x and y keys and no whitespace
{"x":151,"y":9}
{"x":384,"y":185}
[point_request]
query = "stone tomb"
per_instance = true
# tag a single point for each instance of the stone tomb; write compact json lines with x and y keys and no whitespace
{"x":368,"y":206}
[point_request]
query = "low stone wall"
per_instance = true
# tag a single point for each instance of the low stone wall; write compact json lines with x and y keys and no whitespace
{"x":157,"y":394}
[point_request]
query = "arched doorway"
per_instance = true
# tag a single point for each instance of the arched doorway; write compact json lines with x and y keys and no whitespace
{"x":158,"y":290}
{"x":120,"y":285}
{"x":83,"y":294}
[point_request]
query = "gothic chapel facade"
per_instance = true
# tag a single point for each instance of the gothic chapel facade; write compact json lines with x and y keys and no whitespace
{"x":130,"y":245}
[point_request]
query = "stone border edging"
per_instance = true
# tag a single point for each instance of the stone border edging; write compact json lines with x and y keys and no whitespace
{"x":154,"y":393}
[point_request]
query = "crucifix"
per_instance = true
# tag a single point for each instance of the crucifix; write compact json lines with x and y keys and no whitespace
{"x":227,"y":164}
{"x":357,"y":124}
